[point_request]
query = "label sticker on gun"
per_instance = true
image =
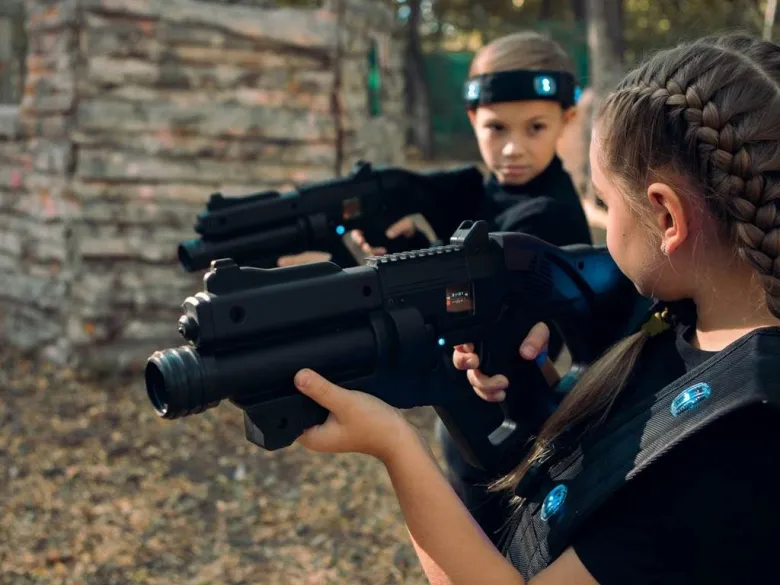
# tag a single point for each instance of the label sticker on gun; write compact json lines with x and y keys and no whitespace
{"x":460,"y":299}
{"x":350,"y":208}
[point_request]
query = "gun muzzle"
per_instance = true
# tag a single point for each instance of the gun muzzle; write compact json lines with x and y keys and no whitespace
{"x":181,"y":382}
{"x":259,"y":249}
{"x":176,"y":383}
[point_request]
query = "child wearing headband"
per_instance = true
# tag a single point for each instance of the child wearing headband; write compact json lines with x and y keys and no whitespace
{"x":520,"y":96}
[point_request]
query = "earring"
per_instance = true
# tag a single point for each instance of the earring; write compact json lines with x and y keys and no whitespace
{"x":663,"y":249}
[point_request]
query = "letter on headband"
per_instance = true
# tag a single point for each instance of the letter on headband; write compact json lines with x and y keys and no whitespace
{"x":521,"y":85}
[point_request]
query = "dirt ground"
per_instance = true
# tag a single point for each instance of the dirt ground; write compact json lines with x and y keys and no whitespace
{"x":96,"y":490}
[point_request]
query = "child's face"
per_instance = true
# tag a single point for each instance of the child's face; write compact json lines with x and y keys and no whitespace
{"x":517,"y":140}
{"x":631,"y":242}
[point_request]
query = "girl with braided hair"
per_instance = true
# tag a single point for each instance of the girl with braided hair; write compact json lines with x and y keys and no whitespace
{"x":659,"y":465}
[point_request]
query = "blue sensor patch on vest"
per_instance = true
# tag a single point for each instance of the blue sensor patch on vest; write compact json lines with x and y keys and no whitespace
{"x":554,"y":501}
{"x":690,"y":397}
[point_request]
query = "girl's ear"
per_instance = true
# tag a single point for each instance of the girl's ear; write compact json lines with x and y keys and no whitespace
{"x":472,"y":117}
{"x":569,"y":114}
{"x":669,"y":215}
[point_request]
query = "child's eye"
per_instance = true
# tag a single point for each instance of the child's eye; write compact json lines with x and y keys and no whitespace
{"x":538,"y":127}
{"x":495,"y":127}
{"x":600,"y":203}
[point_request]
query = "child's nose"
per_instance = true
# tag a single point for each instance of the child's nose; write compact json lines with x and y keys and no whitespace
{"x":512,"y":148}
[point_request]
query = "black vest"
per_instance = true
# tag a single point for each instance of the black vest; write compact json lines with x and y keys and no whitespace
{"x":568,"y":488}
{"x":547,"y":207}
{"x":550,"y":199}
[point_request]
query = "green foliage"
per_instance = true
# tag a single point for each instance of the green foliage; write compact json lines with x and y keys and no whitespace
{"x":654,"y":24}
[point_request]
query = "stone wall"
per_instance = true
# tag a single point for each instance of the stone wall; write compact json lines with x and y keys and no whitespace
{"x":380,"y":138}
{"x":134,"y":111}
{"x":35,"y":202}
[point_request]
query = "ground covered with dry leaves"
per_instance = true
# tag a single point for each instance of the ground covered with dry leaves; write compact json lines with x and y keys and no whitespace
{"x":96,"y":490}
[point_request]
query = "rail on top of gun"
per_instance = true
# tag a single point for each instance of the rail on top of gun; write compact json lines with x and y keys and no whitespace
{"x":423,"y":253}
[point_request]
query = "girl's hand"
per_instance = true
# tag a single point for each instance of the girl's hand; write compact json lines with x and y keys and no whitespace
{"x":493,"y":388}
{"x":303,"y":258}
{"x":404,"y":227}
{"x":357,"y":423}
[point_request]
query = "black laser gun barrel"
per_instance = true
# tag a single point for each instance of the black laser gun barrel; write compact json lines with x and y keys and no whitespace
{"x":388,"y":328}
{"x":256,"y":229}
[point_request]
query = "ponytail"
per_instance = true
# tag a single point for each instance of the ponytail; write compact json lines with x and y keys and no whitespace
{"x":591,"y":399}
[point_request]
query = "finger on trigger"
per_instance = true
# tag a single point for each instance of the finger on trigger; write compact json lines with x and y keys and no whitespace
{"x":464,"y":360}
{"x":393,"y":231}
{"x":497,"y":396}
{"x":535,"y":342}
{"x":539,"y":335}
{"x":487,"y":383}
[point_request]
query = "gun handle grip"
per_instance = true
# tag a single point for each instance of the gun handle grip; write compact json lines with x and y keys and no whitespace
{"x":487,"y":438}
{"x":529,"y":399}
{"x":277,"y":423}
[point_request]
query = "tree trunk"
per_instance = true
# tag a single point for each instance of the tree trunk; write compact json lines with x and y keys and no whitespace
{"x":546,"y":12}
{"x":417,"y":91}
{"x":606,"y":48}
{"x":7,"y":94}
{"x":605,"y":44}
{"x":769,"y":19}
{"x":578,"y":8}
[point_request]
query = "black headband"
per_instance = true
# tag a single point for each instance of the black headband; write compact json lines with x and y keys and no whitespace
{"x":521,"y":85}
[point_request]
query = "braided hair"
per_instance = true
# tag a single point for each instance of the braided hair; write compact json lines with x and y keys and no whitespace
{"x":708,"y":111}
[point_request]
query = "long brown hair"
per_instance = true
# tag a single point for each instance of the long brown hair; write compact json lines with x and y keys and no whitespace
{"x":706,"y":113}
{"x":521,"y":50}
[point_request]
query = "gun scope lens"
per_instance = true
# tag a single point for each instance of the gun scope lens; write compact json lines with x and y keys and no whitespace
{"x":176,"y":383}
{"x":155,"y":388}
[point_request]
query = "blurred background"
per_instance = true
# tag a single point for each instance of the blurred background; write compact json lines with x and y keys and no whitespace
{"x":117,"y":119}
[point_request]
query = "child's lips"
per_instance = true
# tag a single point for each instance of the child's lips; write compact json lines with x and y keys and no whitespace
{"x":515,"y":169}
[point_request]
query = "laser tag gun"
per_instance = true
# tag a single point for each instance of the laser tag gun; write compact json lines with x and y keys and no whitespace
{"x":388,"y":328}
{"x":256,"y":229}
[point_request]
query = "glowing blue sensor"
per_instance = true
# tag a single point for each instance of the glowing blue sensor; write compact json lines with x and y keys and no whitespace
{"x":690,"y":397}
{"x":544,"y":85}
{"x":442,"y":341}
{"x":340,"y":230}
{"x":554,"y":501}
{"x":472,"y":90}
{"x":577,"y":94}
